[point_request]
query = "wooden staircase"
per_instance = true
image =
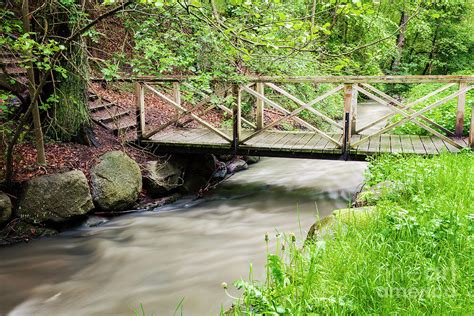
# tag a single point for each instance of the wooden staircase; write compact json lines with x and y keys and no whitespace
{"x":111,"y":115}
{"x":108,"y":114}
{"x":10,"y":65}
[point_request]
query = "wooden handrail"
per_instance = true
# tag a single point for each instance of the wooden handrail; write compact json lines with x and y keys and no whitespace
{"x":308,"y":79}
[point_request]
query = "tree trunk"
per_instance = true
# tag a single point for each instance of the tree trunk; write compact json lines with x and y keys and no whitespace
{"x":429,"y":64}
{"x":70,"y":118}
{"x":400,"y":42}
{"x":40,"y":152}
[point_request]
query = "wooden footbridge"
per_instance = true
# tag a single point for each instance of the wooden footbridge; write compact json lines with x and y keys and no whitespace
{"x":268,"y":116}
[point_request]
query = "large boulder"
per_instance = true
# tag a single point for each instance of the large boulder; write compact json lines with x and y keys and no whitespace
{"x":116,"y":182}
{"x":162,"y":177}
{"x":5,"y":208}
{"x":55,"y":198}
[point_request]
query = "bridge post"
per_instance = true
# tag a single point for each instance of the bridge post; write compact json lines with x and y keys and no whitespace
{"x":354,"y":111}
{"x":346,"y":137}
{"x":471,"y":131}
{"x":236,"y":117}
{"x":140,"y":109}
{"x":177,"y":96}
{"x":260,"y":105}
{"x":460,"y":111}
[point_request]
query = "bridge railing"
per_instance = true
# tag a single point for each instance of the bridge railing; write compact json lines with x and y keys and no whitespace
{"x":341,"y":130}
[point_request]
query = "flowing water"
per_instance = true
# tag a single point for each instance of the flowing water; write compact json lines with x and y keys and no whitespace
{"x":178,"y":253}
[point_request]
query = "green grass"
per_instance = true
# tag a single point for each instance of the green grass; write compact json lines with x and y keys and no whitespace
{"x":414,"y":256}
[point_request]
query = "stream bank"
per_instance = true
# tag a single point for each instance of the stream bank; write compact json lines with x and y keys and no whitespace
{"x":113,"y":185}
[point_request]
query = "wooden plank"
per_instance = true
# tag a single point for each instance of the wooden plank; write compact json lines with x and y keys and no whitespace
{"x":374,"y":146}
{"x":357,"y":149}
{"x":314,"y":79}
{"x":317,"y":144}
{"x":407,"y":145}
{"x":261,"y":139}
{"x":418,"y":146}
{"x":385,"y":146}
{"x":303,"y":141}
{"x":181,"y":135}
{"x":331,"y":148}
{"x":279,"y":141}
{"x":439,"y":144}
{"x":429,"y":146}
{"x":450,"y":148}
{"x":396,"y":144}
{"x":367,"y":147}
{"x":291,"y":141}
{"x":273,"y":138}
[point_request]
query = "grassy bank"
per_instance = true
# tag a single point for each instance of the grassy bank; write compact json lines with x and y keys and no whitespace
{"x":413,"y":256}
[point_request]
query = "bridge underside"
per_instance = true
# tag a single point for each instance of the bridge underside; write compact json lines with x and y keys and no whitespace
{"x":295,"y":144}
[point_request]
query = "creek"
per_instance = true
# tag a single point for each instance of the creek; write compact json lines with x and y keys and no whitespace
{"x":178,"y":253}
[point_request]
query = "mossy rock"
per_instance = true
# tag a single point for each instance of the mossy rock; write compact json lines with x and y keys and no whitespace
{"x":322,"y":227}
{"x":116,"y":182}
{"x":56,"y":198}
{"x":357,"y":215}
{"x":370,"y":195}
{"x":5,"y":208}
{"x":346,"y":216}
{"x":162,"y":177}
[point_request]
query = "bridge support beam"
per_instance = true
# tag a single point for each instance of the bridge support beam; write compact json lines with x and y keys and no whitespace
{"x":260,"y":105}
{"x":354,"y":111}
{"x":460,"y":111}
{"x":177,"y":96}
{"x":236,"y":117}
{"x":140,"y":109}
{"x":471,"y":131}
{"x":346,"y":139}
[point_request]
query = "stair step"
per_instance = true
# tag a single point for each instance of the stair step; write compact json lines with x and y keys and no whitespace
{"x":101,"y":106}
{"x":15,"y":71}
{"x":93,"y":97}
{"x":122,"y":125}
{"x":9,"y":61}
{"x":114,"y":116}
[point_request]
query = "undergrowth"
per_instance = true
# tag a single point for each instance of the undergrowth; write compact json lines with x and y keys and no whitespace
{"x":413,"y":256}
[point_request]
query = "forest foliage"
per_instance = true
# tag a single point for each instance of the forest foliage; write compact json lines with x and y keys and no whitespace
{"x":62,"y":42}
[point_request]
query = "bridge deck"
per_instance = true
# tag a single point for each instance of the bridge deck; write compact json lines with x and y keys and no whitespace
{"x":290,"y":144}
